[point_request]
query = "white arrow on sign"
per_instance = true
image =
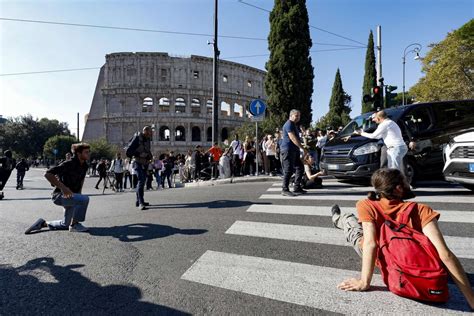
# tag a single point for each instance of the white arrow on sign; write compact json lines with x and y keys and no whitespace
{"x":257,"y":106}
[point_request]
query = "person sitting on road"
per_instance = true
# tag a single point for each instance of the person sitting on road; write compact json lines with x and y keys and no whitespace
{"x":311,"y":177}
{"x":68,"y":179}
{"x":391,"y":189}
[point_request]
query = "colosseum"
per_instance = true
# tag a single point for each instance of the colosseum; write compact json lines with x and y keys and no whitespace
{"x":172,"y":94}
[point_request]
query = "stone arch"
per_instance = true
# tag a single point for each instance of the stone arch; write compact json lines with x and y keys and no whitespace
{"x":130,"y":104}
{"x":209,"y":106}
{"x":180,"y":134}
{"x":164,"y":104}
{"x":224,"y":134}
{"x":147,"y":104}
{"x":196,"y":134}
{"x":238,"y":110}
{"x":225,"y":108}
{"x":164,"y":133}
{"x":195,"y":105}
{"x":180,"y":105}
{"x":209,"y":134}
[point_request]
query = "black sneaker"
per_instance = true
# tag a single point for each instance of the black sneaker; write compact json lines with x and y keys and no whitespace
{"x":137,"y":204}
{"x":299,"y":191}
{"x":287,"y":193}
{"x":40,"y":223}
{"x":335,"y":210}
{"x":143,"y":207}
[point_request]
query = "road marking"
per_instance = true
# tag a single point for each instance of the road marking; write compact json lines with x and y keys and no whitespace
{"x":341,"y":197}
{"x":307,"y":285}
{"x":463,"y":247}
{"x":339,"y":188}
{"x":446,"y":216}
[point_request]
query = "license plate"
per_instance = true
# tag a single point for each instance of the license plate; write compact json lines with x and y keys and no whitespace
{"x":333,"y":167}
{"x":471,"y":167}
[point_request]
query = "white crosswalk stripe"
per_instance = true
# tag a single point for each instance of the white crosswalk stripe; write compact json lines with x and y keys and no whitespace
{"x":463,"y":247}
{"x":302,"y":284}
{"x":312,"y":285}
{"x":446,"y":216}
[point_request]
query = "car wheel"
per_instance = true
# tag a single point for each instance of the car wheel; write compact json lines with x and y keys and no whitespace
{"x":410,"y":171}
{"x":469,"y":186}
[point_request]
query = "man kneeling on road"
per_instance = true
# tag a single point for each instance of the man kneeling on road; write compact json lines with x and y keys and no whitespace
{"x":68,"y":179}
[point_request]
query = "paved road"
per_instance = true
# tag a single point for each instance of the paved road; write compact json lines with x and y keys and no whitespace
{"x":228,"y":249}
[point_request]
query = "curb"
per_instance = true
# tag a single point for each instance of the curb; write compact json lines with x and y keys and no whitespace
{"x":211,"y":183}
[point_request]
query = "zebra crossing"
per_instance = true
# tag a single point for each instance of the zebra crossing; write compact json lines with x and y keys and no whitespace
{"x":314,"y":285}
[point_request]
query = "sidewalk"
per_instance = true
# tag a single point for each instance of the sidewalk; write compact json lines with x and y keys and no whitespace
{"x":259,"y":178}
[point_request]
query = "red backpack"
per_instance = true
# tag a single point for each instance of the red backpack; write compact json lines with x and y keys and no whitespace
{"x":408,"y":261}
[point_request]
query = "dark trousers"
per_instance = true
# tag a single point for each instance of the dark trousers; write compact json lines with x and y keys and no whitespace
{"x":119,"y":180}
{"x":249,"y":164}
{"x":166,"y":176}
{"x":236,"y":164}
{"x":291,"y":162}
{"x":19,"y":179}
{"x":127,"y":178}
{"x":141,"y":175}
{"x":101,"y":177}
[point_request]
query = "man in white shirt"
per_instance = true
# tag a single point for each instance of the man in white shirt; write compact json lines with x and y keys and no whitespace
{"x":391,"y":134}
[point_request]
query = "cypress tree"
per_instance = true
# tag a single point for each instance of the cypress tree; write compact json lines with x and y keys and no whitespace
{"x":289,"y":80}
{"x":370,"y":76}
{"x":339,"y":108}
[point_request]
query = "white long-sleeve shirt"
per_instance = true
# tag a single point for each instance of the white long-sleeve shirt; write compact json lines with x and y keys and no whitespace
{"x":389,"y":131}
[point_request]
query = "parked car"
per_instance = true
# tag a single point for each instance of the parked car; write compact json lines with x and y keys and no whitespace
{"x":430,"y":125}
{"x":459,"y":156}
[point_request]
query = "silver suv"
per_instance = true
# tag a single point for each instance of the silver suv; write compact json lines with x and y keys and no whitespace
{"x":459,"y":160}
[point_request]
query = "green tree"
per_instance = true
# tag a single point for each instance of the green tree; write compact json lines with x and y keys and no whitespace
{"x":101,"y":149}
{"x":448,"y":68}
{"x":370,"y":76}
{"x":289,"y":80}
{"x":339,"y":106}
{"x":61,"y":143}
{"x":26,"y":135}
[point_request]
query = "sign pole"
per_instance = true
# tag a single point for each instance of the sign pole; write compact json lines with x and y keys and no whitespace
{"x":256,"y":148}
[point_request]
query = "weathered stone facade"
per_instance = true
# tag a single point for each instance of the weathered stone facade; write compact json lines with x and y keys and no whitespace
{"x":172,"y":94}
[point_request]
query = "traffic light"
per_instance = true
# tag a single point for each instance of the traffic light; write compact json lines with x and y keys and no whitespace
{"x":377,"y":97}
{"x":389,"y":96}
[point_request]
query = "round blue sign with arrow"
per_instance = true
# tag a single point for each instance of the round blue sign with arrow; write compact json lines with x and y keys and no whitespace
{"x":257,"y":107}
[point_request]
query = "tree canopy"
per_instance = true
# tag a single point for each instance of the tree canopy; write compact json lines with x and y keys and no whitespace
{"x":448,"y":68}
{"x":289,"y":80}
{"x":26,"y":135}
{"x":370,"y":75}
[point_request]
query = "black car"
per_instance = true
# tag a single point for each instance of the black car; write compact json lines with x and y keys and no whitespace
{"x":430,"y":125}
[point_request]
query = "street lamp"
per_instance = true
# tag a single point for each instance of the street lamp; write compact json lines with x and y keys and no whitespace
{"x":416,"y":50}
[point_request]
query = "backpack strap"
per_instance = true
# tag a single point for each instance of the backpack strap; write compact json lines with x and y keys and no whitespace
{"x":403,"y":217}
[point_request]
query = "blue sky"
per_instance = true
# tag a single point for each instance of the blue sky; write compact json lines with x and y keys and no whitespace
{"x":26,"y":47}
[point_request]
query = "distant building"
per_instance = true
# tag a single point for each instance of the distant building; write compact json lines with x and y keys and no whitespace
{"x":174,"y":95}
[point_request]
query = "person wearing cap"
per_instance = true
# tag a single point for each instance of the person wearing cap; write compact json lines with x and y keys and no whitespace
{"x":390,"y":133}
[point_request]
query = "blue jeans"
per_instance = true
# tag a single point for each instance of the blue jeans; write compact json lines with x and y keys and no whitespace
{"x":158,"y":179}
{"x":395,"y":157}
{"x":291,"y":162}
{"x":75,"y":209}
{"x":141,"y":174}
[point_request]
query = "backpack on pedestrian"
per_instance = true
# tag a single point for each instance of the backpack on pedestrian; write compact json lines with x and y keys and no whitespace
{"x":408,"y":261}
{"x":131,"y":147}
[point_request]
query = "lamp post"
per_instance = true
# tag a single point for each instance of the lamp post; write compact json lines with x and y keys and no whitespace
{"x":415,"y":50}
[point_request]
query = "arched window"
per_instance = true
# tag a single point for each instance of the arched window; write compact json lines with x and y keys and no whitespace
{"x":195,"y":105}
{"x":147,"y":105}
{"x":209,"y":134}
{"x":209,"y":106}
{"x":180,"y":134}
{"x":196,"y":134}
{"x":164,"y":133}
{"x":180,"y":105}
{"x":164,"y":104}
{"x":238,"y":110}
{"x":224,"y":134}
{"x":225,"y":108}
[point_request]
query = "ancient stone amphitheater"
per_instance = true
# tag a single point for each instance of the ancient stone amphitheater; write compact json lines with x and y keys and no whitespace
{"x":172,"y":94}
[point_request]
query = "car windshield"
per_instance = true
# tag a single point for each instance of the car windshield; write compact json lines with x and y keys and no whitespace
{"x":365,"y":122}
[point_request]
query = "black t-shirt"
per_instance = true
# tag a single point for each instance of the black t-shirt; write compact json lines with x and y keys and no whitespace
{"x":71,"y":173}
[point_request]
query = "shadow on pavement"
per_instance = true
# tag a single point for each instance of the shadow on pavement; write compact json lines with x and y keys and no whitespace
{"x":41,"y":287}
{"x":140,"y":232}
{"x":211,"y":204}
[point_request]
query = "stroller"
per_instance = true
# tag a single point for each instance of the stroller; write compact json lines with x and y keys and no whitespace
{"x":6,"y":167}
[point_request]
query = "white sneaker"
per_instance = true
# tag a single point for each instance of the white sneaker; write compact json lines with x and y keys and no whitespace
{"x":78,"y":228}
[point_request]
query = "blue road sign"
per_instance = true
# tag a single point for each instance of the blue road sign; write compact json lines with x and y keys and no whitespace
{"x":55,"y":151}
{"x":257,"y":107}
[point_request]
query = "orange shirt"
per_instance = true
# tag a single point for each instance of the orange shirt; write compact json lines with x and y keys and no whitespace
{"x":216,"y":153}
{"x":392,"y":208}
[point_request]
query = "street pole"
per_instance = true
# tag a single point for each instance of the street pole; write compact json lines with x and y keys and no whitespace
{"x":379,"y":54}
{"x":215,"y":93}
{"x":256,"y":148}
{"x":78,"y":127}
{"x":415,"y":50}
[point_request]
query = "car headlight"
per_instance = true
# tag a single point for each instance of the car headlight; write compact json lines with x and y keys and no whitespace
{"x":366,"y":149}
